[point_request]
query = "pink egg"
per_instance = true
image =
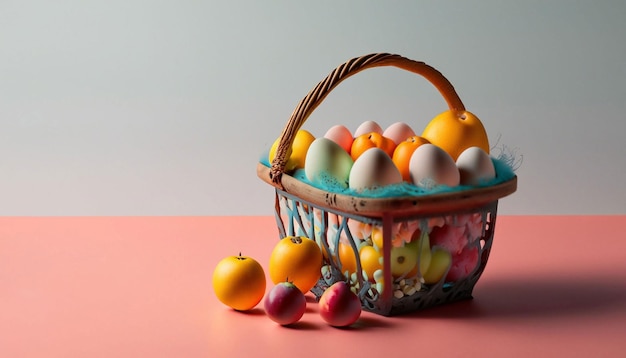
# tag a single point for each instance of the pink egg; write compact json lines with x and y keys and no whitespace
{"x":368,"y":127}
{"x":398,"y":132}
{"x":340,"y":135}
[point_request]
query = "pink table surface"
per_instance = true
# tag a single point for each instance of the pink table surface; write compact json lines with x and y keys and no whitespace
{"x":141,"y":287}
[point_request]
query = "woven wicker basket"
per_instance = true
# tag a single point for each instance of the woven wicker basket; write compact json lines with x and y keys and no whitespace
{"x":338,"y":221}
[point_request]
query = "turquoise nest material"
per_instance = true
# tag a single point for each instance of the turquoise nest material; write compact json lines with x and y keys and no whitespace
{"x":503,"y":166}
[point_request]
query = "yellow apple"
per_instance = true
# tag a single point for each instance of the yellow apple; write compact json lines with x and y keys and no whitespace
{"x":403,"y":260}
{"x":440,"y":261}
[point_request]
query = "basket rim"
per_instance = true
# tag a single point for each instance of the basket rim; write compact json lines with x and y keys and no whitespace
{"x":396,"y":206}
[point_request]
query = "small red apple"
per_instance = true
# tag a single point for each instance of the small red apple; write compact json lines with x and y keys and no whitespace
{"x":339,"y":306}
{"x":285,"y":303}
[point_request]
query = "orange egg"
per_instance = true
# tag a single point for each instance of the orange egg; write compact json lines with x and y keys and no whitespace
{"x":403,"y":152}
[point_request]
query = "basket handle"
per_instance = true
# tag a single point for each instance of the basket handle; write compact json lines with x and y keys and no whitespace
{"x":315,"y":97}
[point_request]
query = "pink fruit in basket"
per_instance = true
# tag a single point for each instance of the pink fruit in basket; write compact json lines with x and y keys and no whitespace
{"x":285,"y":303}
{"x":474,"y":227}
{"x":450,"y":237}
{"x":463,"y":264}
{"x":339,"y":306}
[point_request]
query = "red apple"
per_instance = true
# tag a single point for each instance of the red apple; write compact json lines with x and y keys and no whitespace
{"x":285,"y":303}
{"x":339,"y":306}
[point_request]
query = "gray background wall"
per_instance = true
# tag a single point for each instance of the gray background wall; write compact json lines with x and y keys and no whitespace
{"x":164,"y":107}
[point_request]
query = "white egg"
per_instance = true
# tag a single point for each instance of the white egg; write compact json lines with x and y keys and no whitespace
{"x":431,"y":166}
{"x":340,"y":135}
{"x":368,"y":127}
{"x":475,"y":166}
{"x":326,"y":162}
{"x":373,"y":168}
{"x":398,"y":132}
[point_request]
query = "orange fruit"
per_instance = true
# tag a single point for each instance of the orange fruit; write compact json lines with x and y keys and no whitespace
{"x":347,"y":257}
{"x":403,"y":152}
{"x":370,"y":261}
{"x":377,"y":237}
{"x":296,"y":259}
{"x":456,"y":131}
{"x":371,"y":140}
{"x":239,"y":282}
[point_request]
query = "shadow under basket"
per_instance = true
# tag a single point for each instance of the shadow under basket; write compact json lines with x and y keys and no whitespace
{"x":399,"y":254}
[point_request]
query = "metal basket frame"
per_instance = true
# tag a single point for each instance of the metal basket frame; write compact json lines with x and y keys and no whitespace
{"x":298,"y":217}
